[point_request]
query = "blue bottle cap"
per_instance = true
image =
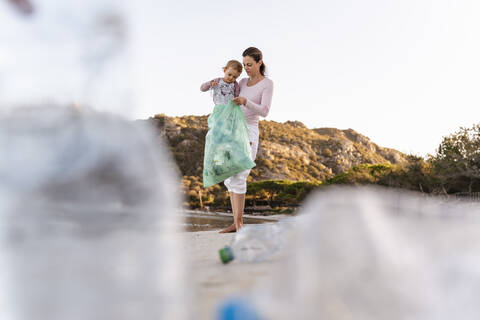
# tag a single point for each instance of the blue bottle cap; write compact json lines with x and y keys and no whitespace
{"x":237,"y":309}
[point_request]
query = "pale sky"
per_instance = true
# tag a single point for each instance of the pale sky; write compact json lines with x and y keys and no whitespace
{"x":404,"y":73}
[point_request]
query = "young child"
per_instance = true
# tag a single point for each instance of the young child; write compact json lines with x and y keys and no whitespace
{"x":226,"y":143}
{"x":226,"y":88}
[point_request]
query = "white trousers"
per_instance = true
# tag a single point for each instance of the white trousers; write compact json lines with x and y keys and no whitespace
{"x":238,"y":182}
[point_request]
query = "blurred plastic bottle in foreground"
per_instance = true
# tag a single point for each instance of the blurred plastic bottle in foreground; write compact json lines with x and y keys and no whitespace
{"x":256,"y":243}
{"x":368,"y":254}
{"x":66,"y":52}
{"x":88,"y":220}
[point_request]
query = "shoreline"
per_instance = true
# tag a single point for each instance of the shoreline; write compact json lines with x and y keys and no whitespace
{"x":272,"y":217}
{"x":194,"y":221}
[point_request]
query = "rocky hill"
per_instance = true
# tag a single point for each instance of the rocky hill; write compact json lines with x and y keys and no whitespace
{"x":293,"y":160}
{"x":287,"y":151}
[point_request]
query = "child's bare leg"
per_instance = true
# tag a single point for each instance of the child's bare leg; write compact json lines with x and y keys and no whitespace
{"x":231,"y":228}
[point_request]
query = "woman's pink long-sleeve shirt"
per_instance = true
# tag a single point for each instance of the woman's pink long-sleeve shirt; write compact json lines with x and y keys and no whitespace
{"x":259,"y":99}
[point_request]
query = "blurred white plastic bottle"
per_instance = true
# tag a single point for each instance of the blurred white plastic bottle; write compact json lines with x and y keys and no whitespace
{"x":88,"y":216}
{"x":371,"y":253}
{"x":67,"y":52}
{"x":256,"y":243}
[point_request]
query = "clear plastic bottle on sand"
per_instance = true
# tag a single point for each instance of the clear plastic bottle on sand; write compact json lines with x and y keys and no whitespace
{"x":89,"y":200}
{"x":256,"y":243}
{"x":87,"y":229}
{"x":370,"y":253}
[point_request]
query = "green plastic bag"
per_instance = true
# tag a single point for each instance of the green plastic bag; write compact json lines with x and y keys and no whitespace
{"x":227,"y":144}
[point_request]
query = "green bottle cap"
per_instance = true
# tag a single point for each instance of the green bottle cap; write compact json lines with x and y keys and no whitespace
{"x":226,"y":254}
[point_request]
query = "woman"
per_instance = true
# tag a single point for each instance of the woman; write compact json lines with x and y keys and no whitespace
{"x":254,"y":99}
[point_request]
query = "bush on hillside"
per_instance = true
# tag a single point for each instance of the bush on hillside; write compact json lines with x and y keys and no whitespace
{"x":457,"y":161}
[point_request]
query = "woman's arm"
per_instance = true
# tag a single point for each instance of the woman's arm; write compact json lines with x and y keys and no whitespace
{"x":263,"y":108}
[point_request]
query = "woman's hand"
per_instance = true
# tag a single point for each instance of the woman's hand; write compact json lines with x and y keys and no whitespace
{"x":239,"y":101}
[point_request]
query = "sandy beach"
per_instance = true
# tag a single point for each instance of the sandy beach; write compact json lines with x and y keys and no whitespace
{"x":212,"y":280}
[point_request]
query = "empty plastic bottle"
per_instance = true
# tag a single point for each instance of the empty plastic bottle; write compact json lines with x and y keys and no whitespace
{"x":370,"y":253}
{"x":255,"y":243}
{"x":87,"y":228}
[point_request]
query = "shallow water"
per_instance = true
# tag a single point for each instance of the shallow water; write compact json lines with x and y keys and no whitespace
{"x":199,"y":222}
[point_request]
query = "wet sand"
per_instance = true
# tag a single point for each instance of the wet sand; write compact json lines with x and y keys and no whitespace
{"x":204,"y":221}
{"x":214,"y":281}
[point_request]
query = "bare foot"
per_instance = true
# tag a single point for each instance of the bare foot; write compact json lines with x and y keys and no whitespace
{"x":239,"y":226}
{"x":228,"y":229}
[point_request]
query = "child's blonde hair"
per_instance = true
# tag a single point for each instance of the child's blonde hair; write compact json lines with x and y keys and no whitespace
{"x":235,"y":65}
